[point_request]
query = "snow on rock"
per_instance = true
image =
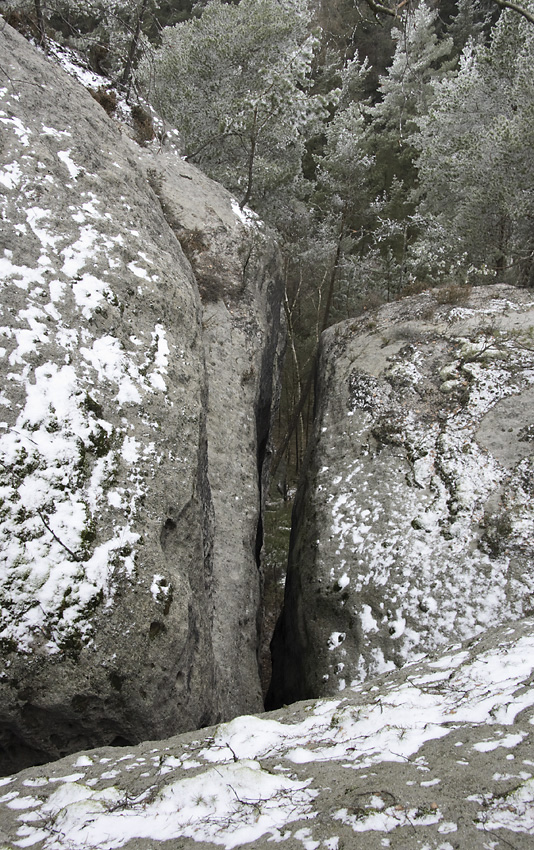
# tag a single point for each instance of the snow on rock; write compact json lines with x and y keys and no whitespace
{"x":95,"y":362}
{"x":435,"y":756}
{"x":414,"y":523}
{"x":108,"y":561}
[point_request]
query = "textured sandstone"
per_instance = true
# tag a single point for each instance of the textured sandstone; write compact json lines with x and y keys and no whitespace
{"x":414,"y":522}
{"x":236,"y":266}
{"x":436,"y":757}
{"x":112,"y":504}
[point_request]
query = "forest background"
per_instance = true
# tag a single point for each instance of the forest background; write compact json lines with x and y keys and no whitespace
{"x":390,"y":146}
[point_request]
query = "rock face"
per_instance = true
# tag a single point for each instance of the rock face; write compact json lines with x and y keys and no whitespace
{"x":128,"y":454}
{"x":436,"y":756}
{"x":414,"y":522}
{"x":237,"y":272}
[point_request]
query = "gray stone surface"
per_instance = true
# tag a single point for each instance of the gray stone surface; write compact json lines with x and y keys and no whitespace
{"x":236,"y":265}
{"x":112,"y":501}
{"x":414,"y":521}
{"x":437,"y":756}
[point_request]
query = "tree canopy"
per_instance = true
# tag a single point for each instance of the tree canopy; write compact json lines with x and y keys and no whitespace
{"x":475,"y":166}
{"x":236,"y":82}
{"x":389,"y":144}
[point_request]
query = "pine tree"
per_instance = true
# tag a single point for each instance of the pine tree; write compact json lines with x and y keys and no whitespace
{"x":471,"y":23}
{"x":475,"y":165}
{"x":235,"y":81}
{"x":111,"y":34}
{"x":369,"y":159}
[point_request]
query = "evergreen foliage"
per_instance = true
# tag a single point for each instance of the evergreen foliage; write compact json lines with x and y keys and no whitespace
{"x":111,"y":34}
{"x":476,"y":170}
{"x":389,"y":153}
{"x":236,"y":82}
{"x":406,"y":92}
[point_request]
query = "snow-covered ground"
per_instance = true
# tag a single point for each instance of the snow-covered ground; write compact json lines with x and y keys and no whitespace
{"x":436,"y":756}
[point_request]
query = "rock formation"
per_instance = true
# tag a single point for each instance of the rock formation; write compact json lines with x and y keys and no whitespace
{"x":414,"y":522}
{"x":435,"y":756}
{"x":135,"y":419}
{"x":237,"y":272}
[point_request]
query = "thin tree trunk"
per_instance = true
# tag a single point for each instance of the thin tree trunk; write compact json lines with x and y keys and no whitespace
{"x":277,"y":457}
{"x":251,"y":158}
{"x":127,"y":73}
{"x":40,"y":22}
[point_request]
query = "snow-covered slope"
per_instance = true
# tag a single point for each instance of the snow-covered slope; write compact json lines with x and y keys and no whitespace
{"x":434,"y":757}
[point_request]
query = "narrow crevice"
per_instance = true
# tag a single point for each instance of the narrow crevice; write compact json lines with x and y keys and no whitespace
{"x":266,"y":405}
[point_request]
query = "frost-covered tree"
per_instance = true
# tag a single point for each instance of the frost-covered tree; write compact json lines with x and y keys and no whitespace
{"x":393,"y":7}
{"x":406,"y":89}
{"x":471,"y":23}
{"x":369,"y":157}
{"x":341,"y":194}
{"x":405,"y":94}
{"x":110,"y":33}
{"x":235,"y":82}
{"x":476,"y":168}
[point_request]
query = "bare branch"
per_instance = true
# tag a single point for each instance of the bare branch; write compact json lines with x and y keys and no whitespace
{"x":506,"y":4}
{"x":382,"y":9}
{"x":393,"y":10}
{"x":73,"y":555}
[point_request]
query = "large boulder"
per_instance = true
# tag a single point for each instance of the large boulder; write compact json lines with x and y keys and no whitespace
{"x":113,"y":536}
{"x":437,"y":756}
{"x":414,"y":522}
{"x":237,"y":270}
